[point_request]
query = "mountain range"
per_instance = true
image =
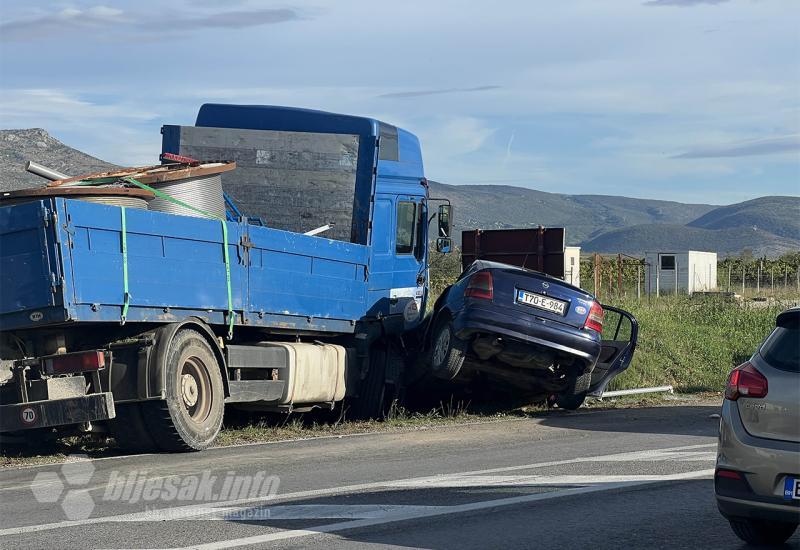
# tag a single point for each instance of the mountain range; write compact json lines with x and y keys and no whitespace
{"x":598,"y":223}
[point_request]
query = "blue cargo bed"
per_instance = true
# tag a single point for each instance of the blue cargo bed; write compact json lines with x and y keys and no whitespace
{"x":61,"y":261}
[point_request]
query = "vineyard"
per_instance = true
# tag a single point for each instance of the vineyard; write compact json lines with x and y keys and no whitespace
{"x":625,"y":276}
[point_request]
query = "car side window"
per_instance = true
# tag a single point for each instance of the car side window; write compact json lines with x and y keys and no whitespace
{"x":406,"y":225}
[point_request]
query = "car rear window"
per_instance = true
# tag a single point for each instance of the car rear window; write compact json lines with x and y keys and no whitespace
{"x":781,"y":349}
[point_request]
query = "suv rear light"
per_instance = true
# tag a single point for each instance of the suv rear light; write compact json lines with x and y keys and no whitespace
{"x":594,"y":320}
{"x":745,"y":381}
{"x":71,"y":363}
{"x":480,"y":286}
{"x":730,"y":474}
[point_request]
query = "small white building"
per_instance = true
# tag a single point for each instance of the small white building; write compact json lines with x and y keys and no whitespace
{"x":572,"y":265}
{"x":689,"y":270}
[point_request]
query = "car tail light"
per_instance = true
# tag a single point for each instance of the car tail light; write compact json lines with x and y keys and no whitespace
{"x":745,"y":381}
{"x":70,"y":363}
{"x":480,"y":286}
{"x":594,"y":320}
{"x":730,"y":474}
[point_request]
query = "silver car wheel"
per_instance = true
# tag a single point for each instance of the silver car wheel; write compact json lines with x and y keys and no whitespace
{"x":442,"y":346}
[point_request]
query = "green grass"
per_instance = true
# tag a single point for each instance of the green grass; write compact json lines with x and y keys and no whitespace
{"x":692,"y":344}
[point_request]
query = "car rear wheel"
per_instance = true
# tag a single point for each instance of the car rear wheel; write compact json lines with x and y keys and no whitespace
{"x":762,"y":532}
{"x":575,"y":394}
{"x":447,"y":350}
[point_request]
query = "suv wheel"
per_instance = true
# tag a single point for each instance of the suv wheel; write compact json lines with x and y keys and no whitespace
{"x":762,"y":532}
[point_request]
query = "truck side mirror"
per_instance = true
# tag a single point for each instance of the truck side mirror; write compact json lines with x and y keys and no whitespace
{"x":445,"y":221}
{"x":443,"y":244}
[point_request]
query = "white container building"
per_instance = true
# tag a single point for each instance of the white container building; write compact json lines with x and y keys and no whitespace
{"x":689,"y":271}
{"x":572,"y":265}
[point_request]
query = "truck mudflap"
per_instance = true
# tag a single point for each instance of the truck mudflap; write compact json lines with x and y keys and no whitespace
{"x":57,"y":412}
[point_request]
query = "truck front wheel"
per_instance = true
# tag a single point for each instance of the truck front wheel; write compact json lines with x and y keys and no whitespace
{"x":190,"y":416}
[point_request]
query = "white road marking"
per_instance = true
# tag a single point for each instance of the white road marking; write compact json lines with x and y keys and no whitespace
{"x":516,"y":481}
{"x":314,"y":511}
{"x":194,"y":510}
{"x":403,"y":515}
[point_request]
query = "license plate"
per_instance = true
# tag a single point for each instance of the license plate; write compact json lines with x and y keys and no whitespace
{"x":791,"y":488}
{"x":541,"y":302}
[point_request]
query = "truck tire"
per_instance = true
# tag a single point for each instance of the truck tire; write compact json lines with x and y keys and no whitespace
{"x":447,"y":350}
{"x":372,"y":390}
{"x":129,"y":429}
{"x":574,"y":396}
{"x":190,"y":416}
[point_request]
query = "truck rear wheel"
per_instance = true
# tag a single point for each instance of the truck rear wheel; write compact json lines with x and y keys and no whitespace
{"x":190,"y":416}
{"x":372,"y":390}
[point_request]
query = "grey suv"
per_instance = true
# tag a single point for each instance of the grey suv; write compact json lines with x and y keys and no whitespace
{"x":757,"y":478}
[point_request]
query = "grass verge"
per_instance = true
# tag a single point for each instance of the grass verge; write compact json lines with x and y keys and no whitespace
{"x":692,"y":344}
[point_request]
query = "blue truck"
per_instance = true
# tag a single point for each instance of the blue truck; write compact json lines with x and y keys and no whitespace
{"x":150,"y":322}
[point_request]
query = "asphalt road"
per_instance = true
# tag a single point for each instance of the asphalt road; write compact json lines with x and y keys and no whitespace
{"x":638,"y":478}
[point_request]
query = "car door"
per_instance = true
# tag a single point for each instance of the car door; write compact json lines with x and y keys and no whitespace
{"x":620,"y":332}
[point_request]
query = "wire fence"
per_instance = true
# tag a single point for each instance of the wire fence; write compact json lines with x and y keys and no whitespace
{"x":626,"y":276}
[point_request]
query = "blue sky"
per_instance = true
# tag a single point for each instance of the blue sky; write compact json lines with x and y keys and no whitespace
{"x":687,"y":100}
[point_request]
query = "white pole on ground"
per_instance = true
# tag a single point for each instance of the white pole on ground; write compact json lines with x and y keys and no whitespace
{"x":743,"y":279}
{"x":636,"y":391}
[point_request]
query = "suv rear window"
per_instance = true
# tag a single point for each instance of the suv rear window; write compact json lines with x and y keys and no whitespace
{"x":781,"y":349}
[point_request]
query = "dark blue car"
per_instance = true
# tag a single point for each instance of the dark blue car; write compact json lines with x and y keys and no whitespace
{"x":522,"y":328}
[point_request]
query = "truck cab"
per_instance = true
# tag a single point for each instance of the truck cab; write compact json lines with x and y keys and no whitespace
{"x":380,"y":164}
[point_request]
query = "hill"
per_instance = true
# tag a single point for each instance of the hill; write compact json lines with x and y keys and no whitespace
{"x":19,"y":146}
{"x":584,"y":216}
{"x":599,"y":223}
{"x":776,"y":215}
{"x":667,"y":237}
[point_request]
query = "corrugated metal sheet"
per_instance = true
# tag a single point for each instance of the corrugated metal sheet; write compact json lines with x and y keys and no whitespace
{"x":295,"y":181}
{"x":540,"y":249}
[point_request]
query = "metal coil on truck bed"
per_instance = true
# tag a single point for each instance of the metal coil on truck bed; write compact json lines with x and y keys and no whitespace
{"x":194,"y":187}
{"x":203,"y":193}
{"x":115,"y":196}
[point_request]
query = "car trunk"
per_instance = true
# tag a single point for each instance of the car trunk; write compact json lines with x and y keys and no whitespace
{"x":536,"y":294}
{"x":777,"y":415}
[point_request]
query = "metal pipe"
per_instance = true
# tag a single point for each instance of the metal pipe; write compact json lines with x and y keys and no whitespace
{"x":44,"y":171}
{"x":636,"y":391}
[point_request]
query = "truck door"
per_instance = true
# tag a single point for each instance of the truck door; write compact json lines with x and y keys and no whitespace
{"x":410,"y":256}
{"x":400,"y":253}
